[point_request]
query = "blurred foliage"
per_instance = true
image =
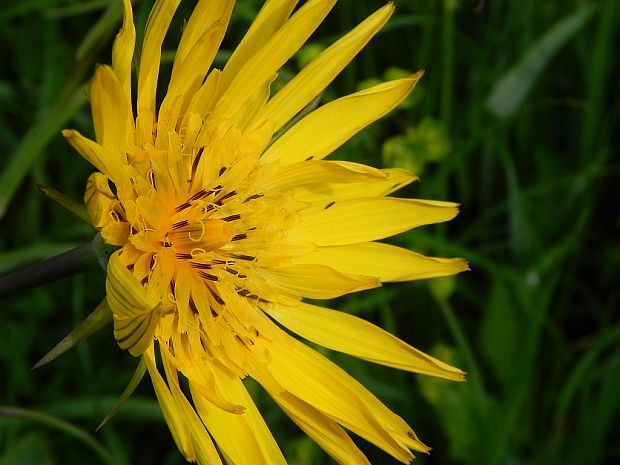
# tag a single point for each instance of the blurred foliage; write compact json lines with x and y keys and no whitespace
{"x":516,"y":119}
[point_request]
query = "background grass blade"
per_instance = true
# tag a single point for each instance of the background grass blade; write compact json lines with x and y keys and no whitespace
{"x":510,"y":90}
{"x":60,"y":425}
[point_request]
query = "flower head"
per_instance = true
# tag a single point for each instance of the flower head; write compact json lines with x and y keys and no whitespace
{"x":223,"y":228}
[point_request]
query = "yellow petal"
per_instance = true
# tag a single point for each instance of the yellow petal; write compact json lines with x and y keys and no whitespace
{"x":363,"y":220}
{"x":315,"y":281}
{"x":324,"y":193}
{"x":99,"y":157}
{"x":189,"y":73}
{"x":196,"y":52}
{"x":156,"y":28}
{"x":98,"y":199}
{"x":355,"y":336}
{"x":265,"y":62}
{"x":326,"y":432}
{"x":110,"y":109}
{"x":245,"y":438}
{"x":172,"y":414}
{"x":134,"y":334}
{"x":203,"y":100}
{"x":136,"y":312}
{"x":384,"y":261}
{"x":318,"y":74}
{"x":122,"y":51}
{"x":187,"y":430}
{"x":115,"y":233}
{"x":321,"y":172}
{"x":311,"y":377}
{"x":269,"y":19}
{"x":205,"y":14}
{"x":328,"y":127}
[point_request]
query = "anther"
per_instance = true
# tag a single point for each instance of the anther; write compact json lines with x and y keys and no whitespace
{"x":180,"y":224}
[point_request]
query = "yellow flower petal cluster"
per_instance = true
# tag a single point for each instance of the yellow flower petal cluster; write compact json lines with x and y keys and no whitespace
{"x":223,"y":229}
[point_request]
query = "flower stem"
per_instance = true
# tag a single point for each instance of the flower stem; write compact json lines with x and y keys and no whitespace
{"x":78,"y":260}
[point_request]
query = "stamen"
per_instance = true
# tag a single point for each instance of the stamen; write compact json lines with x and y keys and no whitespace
{"x":208,"y":276}
{"x":201,"y":194}
{"x":217,"y":298}
{"x":226,"y":197}
{"x":232,"y":217}
{"x":184,"y":256}
{"x":192,"y":306}
{"x":182,"y":207}
{"x":151,"y":175}
{"x":222,"y":170}
{"x":254,"y":197}
{"x":180,"y":224}
{"x":195,"y":164}
{"x":239,"y":237}
{"x":329,"y":205}
{"x":201,"y":266}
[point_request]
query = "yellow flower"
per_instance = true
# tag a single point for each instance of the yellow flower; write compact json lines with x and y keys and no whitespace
{"x":223,"y":229}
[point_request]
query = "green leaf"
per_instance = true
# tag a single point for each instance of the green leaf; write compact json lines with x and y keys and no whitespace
{"x":510,"y":90}
{"x":100,"y":317}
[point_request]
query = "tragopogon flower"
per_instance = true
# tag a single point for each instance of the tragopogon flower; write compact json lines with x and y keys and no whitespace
{"x":223,"y":229}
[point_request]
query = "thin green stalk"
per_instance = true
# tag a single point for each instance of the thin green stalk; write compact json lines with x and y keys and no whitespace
{"x":464,"y":346}
{"x":447,"y":61}
{"x":598,"y":75}
{"x":60,"y":425}
{"x":35,"y":140}
{"x":536,"y":306}
{"x":78,"y":260}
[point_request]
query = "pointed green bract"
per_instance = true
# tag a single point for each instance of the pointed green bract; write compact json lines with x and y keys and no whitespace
{"x":77,"y":209}
{"x":100,"y":317}
{"x":126,"y":394}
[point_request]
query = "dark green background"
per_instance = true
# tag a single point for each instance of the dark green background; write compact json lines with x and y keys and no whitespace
{"x":516,"y":119}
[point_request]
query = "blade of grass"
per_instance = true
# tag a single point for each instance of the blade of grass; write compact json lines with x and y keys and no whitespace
{"x":60,"y":425}
{"x":33,"y":143}
{"x":603,"y":57}
{"x":510,"y":90}
{"x":70,"y":99}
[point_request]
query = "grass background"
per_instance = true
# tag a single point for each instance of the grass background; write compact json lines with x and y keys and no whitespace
{"x":516,"y":119}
